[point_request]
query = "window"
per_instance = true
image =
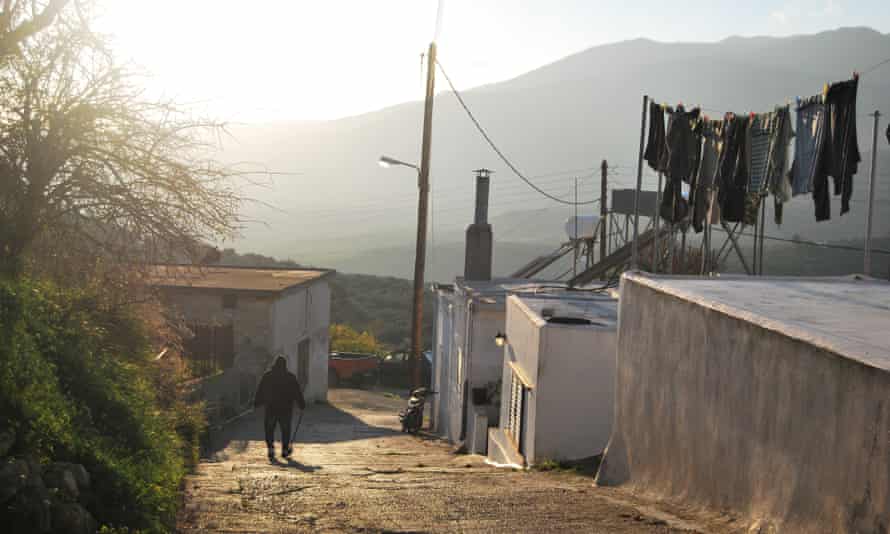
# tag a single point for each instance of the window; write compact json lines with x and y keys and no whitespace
{"x":303,"y":362}
{"x":516,"y":410}
{"x":229,"y":301}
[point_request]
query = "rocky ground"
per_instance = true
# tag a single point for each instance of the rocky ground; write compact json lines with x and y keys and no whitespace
{"x":39,"y":498}
{"x":354,"y":472}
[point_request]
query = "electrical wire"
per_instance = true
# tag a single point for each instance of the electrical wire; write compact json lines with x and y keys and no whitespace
{"x":809,"y":243}
{"x":500,"y":154}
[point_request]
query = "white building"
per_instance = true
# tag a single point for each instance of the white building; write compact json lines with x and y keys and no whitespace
{"x":767,"y":398}
{"x":242,"y":317}
{"x":468,"y":317}
{"x":558,"y":376}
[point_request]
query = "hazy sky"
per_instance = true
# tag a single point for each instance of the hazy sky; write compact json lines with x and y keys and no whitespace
{"x":266,"y":60}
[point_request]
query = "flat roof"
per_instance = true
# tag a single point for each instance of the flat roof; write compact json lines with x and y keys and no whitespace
{"x":496,"y":291}
{"x":849,"y":315}
{"x":600,"y":309}
{"x":213,"y":277}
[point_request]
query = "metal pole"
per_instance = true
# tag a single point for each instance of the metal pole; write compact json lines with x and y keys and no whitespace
{"x":756,"y":233}
{"x":871,"y":197}
{"x":577,"y":241}
{"x":422,"y":204}
{"x":604,"y":214}
{"x":762,"y":233}
{"x":656,"y":253}
{"x":635,"y":252}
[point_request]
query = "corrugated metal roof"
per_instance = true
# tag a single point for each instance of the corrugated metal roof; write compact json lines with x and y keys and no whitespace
{"x":232,"y":278}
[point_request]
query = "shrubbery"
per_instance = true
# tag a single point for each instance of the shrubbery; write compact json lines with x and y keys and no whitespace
{"x":77,"y":384}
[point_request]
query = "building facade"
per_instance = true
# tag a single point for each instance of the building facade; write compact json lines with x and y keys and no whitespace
{"x":244,"y":317}
{"x":558,"y":377}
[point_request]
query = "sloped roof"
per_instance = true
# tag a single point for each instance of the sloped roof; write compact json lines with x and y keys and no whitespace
{"x":214,"y":277}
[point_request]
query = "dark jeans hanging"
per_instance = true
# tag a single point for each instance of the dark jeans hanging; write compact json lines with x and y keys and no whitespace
{"x":732,"y":170}
{"x":842,"y":147}
{"x":655,"y":144}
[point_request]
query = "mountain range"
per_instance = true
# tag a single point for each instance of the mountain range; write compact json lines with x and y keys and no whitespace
{"x":556,"y":123}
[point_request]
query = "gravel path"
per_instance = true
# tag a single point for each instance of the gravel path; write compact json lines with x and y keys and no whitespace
{"x":354,"y":472}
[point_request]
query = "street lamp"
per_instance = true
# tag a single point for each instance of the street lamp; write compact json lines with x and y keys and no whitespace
{"x":419,"y":263}
{"x":387,"y":162}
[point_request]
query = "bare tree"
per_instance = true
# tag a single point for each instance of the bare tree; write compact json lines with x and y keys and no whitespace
{"x":20,"y":19}
{"x":84,"y":156}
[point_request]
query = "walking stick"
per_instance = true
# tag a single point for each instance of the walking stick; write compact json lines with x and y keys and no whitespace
{"x":297,"y":427}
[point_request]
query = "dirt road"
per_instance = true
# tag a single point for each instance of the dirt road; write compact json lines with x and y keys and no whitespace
{"x":354,"y":472}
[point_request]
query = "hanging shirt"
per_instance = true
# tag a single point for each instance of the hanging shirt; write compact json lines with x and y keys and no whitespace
{"x":757,"y":147}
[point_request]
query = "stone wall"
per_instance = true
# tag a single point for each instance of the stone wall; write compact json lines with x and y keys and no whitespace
{"x":39,"y":498}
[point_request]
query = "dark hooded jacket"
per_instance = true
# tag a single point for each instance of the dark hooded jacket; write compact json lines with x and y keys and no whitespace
{"x":279,"y":389}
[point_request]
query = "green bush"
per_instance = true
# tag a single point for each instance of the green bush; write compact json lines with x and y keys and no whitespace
{"x":77,"y":385}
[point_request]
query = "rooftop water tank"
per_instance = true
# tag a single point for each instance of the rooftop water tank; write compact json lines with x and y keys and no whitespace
{"x":586,"y":225}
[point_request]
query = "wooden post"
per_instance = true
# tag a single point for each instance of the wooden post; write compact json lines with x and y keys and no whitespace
{"x":423,"y":186}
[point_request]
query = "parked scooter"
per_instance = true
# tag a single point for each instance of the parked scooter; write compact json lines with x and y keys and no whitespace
{"x":412,"y":417}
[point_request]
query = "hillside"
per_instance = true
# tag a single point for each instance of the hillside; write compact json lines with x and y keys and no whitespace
{"x":564,"y":116}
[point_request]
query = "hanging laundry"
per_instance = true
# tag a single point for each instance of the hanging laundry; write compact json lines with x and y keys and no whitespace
{"x":841,"y":157}
{"x":807,"y":174}
{"x":703,"y":188}
{"x":656,"y":148}
{"x":757,"y":147}
{"x":682,"y":139}
{"x":777,"y":175}
{"x":732,"y":169}
{"x":888,"y":134}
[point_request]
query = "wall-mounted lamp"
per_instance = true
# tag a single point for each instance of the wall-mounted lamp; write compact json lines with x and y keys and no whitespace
{"x":500,"y":339}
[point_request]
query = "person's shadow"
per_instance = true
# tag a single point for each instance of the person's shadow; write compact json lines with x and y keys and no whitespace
{"x":293,"y":464}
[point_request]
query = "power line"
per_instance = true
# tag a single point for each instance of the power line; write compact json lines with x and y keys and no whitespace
{"x":875,"y":66}
{"x":500,"y":154}
{"x":810,"y":243}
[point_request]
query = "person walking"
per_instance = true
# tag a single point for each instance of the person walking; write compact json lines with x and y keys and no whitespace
{"x":277,"y":392}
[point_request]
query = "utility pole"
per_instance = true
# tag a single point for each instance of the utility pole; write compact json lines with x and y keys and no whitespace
{"x":871,"y":197}
{"x":423,"y":185}
{"x":604,"y":169}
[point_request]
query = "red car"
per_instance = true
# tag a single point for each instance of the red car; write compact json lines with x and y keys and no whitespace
{"x":354,"y":368}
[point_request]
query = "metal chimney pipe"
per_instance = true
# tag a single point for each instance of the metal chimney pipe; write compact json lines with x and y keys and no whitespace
{"x":483,"y":180}
{"x":478,"y":257}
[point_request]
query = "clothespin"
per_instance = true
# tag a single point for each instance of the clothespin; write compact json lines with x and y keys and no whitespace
{"x":825,"y":93}
{"x":855,"y":75}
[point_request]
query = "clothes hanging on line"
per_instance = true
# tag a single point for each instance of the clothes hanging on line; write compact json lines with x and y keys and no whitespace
{"x":842,"y":147}
{"x":732,"y":169}
{"x":703,"y":187}
{"x":655,"y":144}
{"x":777,"y":174}
{"x":683,"y":142}
{"x":808,"y":144}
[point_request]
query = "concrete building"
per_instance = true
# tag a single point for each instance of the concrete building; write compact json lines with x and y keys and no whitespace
{"x":242,"y":317}
{"x":558,"y":376}
{"x":765,"y":397}
{"x":468,"y":317}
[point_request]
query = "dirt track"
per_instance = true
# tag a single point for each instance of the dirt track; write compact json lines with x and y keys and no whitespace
{"x":354,"y":472}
